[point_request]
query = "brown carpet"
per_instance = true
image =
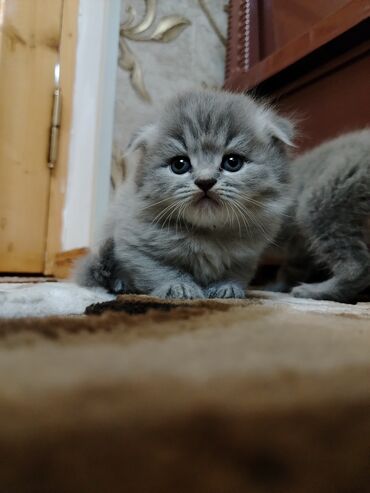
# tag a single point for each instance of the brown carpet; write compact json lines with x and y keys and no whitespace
{"x":255,"y":396}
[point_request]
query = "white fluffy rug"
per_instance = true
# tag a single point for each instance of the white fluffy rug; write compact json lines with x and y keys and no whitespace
{"x":47,"y":298}
{"x":65,"y":298}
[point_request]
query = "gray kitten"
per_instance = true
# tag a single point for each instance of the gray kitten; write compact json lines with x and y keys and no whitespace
{"x":330,"y":226}
{"x":206,"y":197}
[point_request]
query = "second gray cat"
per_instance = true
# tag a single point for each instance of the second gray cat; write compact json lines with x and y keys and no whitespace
{"x":207,"y":196}
{"x":330,"y":224}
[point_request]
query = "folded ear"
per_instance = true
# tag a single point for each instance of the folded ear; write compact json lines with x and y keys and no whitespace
{"x":283,"y":129}
{"x":141,"y":138}
{"x":272,"y":125}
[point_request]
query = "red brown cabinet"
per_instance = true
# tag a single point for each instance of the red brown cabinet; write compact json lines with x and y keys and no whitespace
{"x":312,"y":58}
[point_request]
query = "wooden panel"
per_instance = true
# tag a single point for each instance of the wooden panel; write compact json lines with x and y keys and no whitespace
{"x":283,"y":20}
{"x":324,"y":31}
{"x":29,"y":41}
{"x":335,"y":103}
{"x":64,"y":262}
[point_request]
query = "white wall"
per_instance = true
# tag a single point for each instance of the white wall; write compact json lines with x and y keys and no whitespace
{"x":194,"y":58}
{"x":88,"y":182}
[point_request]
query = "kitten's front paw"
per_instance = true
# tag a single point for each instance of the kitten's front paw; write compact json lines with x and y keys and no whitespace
{"x":179,"y":290}
{"x":226,"y":290}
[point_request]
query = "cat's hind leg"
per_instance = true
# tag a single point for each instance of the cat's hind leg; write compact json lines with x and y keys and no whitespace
{"x":100,"y":270}
{"x":351,"y":275}
{"x":337,"y":242}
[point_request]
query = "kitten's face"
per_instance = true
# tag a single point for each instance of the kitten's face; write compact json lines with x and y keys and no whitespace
{"x":212,"y":160}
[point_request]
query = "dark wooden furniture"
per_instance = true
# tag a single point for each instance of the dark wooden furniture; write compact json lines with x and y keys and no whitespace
{"x":312,"y":58}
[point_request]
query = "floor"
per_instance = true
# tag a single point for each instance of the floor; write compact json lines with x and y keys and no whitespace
{"x":43,"y":296}
{"x":266,"y":394}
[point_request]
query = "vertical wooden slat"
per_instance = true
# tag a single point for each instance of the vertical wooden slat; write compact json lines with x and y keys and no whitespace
{"x":243,"y":43}
{"x":254,"y":32}
{"x":68,"y":46}
{"x":234,"y":62}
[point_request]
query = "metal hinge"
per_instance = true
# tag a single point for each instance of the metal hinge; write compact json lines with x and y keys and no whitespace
{"x":55,"y":122}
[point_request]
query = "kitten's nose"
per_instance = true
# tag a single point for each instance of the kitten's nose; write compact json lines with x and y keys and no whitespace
{"x":205,"y":184}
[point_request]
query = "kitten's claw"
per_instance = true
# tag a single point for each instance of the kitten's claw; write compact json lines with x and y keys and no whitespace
{"x":179,"y":290}
{"x":226,"y":290}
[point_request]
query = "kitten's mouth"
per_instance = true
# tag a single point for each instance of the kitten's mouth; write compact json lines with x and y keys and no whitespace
{"x":207,"y":199}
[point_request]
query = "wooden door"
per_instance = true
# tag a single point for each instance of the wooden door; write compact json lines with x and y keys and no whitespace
{"x":29,"y":45}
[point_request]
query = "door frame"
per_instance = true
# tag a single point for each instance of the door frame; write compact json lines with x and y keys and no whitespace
{"x":80,"y":182}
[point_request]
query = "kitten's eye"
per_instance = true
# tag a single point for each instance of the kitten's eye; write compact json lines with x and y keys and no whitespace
{"x":180,"y":165}
{"x":232,"y":162}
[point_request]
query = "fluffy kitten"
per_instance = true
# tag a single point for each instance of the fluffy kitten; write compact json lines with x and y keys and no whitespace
{"x":330,"y":220}
{"x":207,"y":196}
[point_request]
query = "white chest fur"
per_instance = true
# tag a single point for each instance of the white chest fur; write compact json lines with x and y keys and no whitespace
{"x":210,"y":259}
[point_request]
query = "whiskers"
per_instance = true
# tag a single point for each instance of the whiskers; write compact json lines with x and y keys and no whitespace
{"x":262,"y":205}
{"x":173,"y":213}
{"x":246,"y":216}
{"x":236,"y":212}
